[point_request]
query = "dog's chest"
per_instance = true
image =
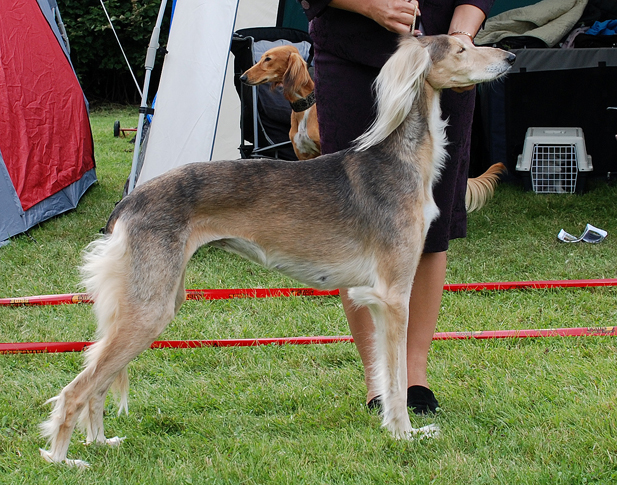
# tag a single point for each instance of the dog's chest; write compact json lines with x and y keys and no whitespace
{"x":302,"y":141}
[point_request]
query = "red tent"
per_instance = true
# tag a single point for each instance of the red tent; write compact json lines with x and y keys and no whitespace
{"x":46,"y":148}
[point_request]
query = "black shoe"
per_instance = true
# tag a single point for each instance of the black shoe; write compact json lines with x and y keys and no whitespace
{"x":421,"y":400}
{"x":374,"y":404}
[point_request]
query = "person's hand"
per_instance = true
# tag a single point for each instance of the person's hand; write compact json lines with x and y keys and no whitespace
{"x":395,"y":15}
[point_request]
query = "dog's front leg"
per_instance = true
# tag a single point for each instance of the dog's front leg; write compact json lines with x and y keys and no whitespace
{"x":390,"y":312}
{"x":389,"y":309}
{"x":391,"y":319}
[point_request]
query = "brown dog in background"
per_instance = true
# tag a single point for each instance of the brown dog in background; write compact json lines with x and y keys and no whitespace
{"x":285,"y":66}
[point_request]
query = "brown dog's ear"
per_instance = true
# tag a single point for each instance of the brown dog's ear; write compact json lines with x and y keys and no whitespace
{"x":296,"y":75}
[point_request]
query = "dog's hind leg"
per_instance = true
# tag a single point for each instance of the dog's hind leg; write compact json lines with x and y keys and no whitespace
{"x":92,"y":416}
{"x":84,"y":397}
{"x":130,"y":318}
{"x":91,"y":419}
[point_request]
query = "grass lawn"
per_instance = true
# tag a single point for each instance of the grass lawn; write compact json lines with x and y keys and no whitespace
{"x":531,"y":411}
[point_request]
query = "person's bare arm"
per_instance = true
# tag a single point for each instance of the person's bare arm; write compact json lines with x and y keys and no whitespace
{"x":466,"y":22}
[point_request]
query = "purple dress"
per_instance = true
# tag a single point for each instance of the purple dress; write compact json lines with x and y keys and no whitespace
{"x":350,"y":49}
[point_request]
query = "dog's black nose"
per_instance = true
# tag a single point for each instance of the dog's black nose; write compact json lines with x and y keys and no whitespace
{"x":243,"y":78}
{"x":511,"y":58}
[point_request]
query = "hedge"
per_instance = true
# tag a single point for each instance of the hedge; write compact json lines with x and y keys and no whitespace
{"x":95,"y":53}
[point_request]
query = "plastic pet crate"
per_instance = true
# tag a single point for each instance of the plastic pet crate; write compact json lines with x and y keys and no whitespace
{"x":555,"y":160}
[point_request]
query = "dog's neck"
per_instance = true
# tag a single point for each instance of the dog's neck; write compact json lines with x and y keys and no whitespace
{"x":423,"y":130}
{"x":303,"y":104}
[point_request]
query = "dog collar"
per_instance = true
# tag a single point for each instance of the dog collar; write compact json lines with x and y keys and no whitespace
{"x":304,"y":103}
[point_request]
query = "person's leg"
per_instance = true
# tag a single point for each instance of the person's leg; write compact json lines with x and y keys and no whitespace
{"x":424,"y":307}
{"x":362,"y":331}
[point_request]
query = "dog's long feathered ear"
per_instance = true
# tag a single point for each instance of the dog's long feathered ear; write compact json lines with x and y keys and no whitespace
{"x":296,"y":75}
{"x":396,"y":88}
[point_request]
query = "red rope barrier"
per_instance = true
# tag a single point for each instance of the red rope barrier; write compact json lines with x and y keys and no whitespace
{"x":549,"y":332}
{"x":218,"y":294}
{"x":73,"y":298}
{"x":255,"y":293}
{"x":535,"y":285}
{"x":225,"y":294}
{"x":53,"y":347}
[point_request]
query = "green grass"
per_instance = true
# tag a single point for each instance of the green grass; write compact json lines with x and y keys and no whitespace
{"x":535,"y":411}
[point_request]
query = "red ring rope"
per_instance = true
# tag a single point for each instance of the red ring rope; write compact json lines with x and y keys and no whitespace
{"x":53,"y":347}
{"x":72,"y":298}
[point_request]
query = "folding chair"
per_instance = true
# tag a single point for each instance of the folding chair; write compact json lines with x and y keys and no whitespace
{"x":264,"y":113}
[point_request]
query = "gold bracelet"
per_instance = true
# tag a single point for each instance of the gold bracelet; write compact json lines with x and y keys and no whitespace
{"x":462,"y":32}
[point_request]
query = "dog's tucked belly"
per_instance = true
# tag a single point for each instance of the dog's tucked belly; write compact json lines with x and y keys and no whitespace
{"x":347,"y":273}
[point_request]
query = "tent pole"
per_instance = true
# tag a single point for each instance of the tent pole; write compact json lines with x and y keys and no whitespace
{"x":65,"y":37}
{"x":143,"y":108}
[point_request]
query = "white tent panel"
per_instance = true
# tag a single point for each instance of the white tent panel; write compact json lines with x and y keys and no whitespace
{"x":188,"y":101}
{"x":251,"y":13}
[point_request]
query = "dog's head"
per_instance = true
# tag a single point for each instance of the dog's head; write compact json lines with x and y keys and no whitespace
{"x":272,"y":66}
{"x":458,"y":64}
{"x":437,"y":62}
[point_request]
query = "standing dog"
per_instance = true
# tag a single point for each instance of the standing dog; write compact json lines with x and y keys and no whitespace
{"x":285,"y":66}
{"x":354,"y":219}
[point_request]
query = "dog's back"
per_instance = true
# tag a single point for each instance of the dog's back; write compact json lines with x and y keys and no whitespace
{"x":248,"y":206}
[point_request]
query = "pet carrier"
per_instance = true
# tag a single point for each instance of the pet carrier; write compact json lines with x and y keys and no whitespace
{"x":555,"y":160}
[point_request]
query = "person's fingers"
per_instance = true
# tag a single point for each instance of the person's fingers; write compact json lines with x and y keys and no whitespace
{"x":398,"y":16}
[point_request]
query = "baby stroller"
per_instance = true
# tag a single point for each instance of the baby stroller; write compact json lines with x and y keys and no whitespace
{"x":264,"y":112}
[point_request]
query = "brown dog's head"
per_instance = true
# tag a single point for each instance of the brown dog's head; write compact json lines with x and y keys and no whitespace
{"x":279,"y":65}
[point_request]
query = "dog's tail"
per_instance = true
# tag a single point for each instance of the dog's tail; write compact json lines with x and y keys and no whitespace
{"x":104,"y":274}
{"x":481,"y":189}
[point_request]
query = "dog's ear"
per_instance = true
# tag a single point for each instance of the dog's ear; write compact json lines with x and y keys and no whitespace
{"x":296,"y":75}
{"x":438,"y":46}
{"x":396,"y":88}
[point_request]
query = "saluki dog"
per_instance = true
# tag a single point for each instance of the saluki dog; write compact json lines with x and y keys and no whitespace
{"x":283,"y":65}
{"x":354,"y":219}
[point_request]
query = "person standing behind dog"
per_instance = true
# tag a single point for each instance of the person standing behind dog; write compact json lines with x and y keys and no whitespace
{"x":352,"y":41}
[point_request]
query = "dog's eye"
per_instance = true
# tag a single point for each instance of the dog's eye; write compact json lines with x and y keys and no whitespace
{"x":267,"y":59}
{"x":461,"y":50}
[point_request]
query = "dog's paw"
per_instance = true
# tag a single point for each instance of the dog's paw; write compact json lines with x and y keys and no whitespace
{"x":429,"y":431}
{"x":72,"y":463}
{"x":82,"y":465}
{"x":115,"y":441}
